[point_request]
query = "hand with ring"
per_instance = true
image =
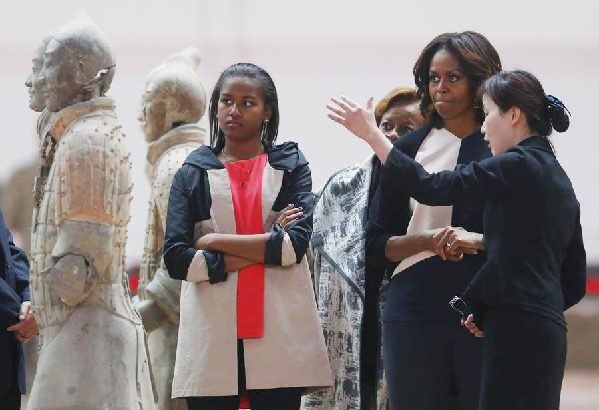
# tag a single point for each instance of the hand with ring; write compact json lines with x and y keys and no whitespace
{"x":451,"y":243}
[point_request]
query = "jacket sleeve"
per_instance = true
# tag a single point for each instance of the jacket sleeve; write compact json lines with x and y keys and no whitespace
{"x":491,"y":178}
{"x":573,"y":272}
{"x":10,"y":305}
{"x":387,"y":216}
{"x":182,"y":260}
{"x":20,"y":264}
{"x":287,"y":247}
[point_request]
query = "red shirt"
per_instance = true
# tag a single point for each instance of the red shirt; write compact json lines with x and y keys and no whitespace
{"x":245,"y":178}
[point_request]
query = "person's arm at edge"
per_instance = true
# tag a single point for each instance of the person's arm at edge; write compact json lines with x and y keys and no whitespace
{"x":573,"y":272}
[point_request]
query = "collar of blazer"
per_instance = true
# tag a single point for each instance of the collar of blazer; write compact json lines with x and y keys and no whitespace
{"x":285,"y":156}
{"x":409,"y":143}
{"x":538,"y":142}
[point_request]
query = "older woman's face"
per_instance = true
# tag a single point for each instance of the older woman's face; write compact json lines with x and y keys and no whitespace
{"x":400,"y":119}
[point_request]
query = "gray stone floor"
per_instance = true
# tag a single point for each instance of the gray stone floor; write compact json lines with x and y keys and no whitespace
{"x":580,"y":390}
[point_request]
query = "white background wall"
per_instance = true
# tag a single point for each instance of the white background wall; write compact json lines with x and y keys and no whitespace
{"x":313,"y":50}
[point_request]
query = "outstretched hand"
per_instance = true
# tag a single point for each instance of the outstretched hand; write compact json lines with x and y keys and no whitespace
{"x":358,"y":120}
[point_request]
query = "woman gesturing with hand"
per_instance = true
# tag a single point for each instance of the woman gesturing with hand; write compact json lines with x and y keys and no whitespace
{"x":423,"y":344}
{"x":536,"y":261}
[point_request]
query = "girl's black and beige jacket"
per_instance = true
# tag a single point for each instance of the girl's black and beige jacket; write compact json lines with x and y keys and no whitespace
{"x":292,"y":352}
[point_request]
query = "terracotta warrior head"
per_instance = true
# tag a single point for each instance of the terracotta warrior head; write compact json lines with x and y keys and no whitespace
{"x":74,"y":63}
{"x":35,"y":86}
{"x":173,"y":96}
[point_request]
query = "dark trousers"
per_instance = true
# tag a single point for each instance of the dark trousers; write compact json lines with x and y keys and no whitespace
{"x":268,"y":399}
{"x":286,"y":398}
{"x":370,"y":338}
{"x":523,"y":361}
{"x":423,"y":360}
{"x":11,"y":400}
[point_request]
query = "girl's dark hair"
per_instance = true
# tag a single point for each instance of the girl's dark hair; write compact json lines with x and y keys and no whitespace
{"x":477,"y":57}
{"x":269,"y":92}
{"x":523,"y":90}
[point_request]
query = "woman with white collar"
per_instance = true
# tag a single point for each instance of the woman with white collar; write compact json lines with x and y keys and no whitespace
{"x":536,"y":261}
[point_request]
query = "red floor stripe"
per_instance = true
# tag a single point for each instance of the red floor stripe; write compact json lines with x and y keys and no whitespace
{"x":593,"y":287}
{"x":133,"y":284}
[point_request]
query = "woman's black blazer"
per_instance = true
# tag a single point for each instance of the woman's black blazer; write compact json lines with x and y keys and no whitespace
{"x":535,"y":253}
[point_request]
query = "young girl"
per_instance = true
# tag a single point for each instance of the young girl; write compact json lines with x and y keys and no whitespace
{"x":536,"y":262}
{"x":248,"y":316}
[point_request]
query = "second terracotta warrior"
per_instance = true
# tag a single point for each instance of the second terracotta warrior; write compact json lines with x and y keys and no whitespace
{"x":174,"y":101}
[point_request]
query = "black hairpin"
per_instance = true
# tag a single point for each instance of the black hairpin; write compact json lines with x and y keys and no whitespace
{"x":556,"y":103}
{"x":560,"y":121}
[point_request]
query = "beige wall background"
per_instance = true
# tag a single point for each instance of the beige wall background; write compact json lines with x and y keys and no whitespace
{"x":313,"y":50}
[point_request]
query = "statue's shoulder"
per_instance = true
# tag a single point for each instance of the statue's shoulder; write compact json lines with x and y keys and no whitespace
{"x":169,"y":163}
{"x":95,"y":133}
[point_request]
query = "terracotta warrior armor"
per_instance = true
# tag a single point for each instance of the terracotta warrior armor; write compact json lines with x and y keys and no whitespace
{"x":93,"y":349}
{"x":173,"y":103}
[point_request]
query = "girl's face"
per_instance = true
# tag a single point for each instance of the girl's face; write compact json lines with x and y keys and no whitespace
{"x":400,"y":119}
{"x":449,"y":87}
{"x":497,"y":127}
{"x":241,"y":109}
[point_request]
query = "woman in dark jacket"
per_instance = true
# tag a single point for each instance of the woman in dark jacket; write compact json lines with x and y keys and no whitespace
{"x":248,"y":318}
{"x":350,"y":293}
{"x":424,"y":352}
{"x":536,"y":262}
{"x":17,"y":323}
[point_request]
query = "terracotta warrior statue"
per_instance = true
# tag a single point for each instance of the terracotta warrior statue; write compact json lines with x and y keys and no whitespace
{"x":173,"y":103}
{"x":93,"y":351}
{"x":16,"y":201}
